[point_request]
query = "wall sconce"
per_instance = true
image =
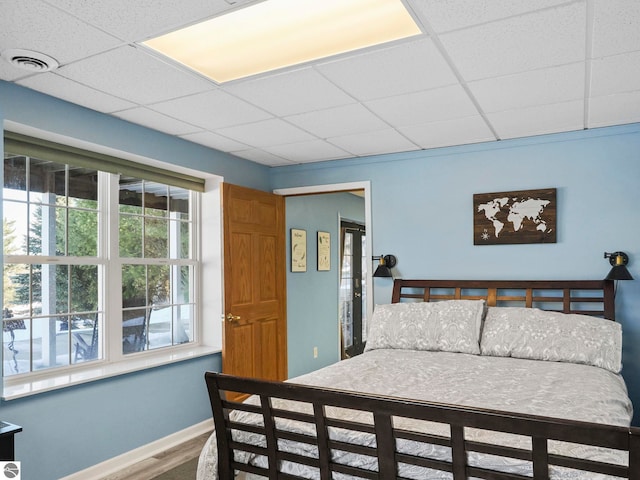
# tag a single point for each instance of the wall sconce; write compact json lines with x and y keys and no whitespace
{"x":619,"y":271}
{"x":387,"y":262}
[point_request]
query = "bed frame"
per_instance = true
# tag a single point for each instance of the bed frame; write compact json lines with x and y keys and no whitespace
{"x":587,"y":297}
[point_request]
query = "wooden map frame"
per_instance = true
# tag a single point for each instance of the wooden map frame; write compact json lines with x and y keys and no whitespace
{"x":523,"y":216}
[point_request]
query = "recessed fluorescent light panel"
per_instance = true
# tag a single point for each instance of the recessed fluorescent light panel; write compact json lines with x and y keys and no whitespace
{"x":279,"y":33}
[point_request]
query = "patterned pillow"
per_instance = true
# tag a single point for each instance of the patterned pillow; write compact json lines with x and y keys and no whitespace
{"x":558,"y":337}
{"x":449,"y":326}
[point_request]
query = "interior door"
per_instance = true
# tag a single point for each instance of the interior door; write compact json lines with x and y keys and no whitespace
{"x":353,"y":289}
{"x":255,"y":328}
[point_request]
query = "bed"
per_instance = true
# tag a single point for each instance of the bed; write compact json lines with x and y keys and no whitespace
{"x":498,"y":380}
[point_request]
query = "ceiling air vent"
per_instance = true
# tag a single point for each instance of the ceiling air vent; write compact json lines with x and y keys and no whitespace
{"x":35,"y":62}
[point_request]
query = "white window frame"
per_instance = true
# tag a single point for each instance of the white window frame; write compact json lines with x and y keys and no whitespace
{"x":206,"y":335}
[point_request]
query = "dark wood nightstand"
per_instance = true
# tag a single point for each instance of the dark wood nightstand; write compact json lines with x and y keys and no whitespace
{"x":7,"y":431}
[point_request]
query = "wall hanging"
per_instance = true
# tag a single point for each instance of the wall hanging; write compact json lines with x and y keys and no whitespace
{"x":524,"y":216}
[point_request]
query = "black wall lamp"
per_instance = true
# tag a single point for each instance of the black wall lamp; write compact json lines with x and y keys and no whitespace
{"x":618,"y":261}
{"x":387,"y":262}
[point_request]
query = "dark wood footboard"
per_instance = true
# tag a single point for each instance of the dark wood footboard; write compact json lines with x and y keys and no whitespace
{"x":384,"y":414}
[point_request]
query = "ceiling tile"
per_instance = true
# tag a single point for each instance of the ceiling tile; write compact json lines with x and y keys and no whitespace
{"x":423,"y":107}
{"x":290,"y":93}
{"x":338,"y":121}
{"x":134,"y":75}
{"x":528,"y":42}
{"x":10,"y":73}
{"x":614,"y":109}
{"x":374,"y":143}
{"x":616,"y":74}
{"x":459,"y":131}
{"x":403,"y":68}
{"x":216,"y":141}
{"x":149,"y":17}
{"x":155,"y":120}
{"x":34,"y":25}
{"x":311,"y":151}
{"x":213,"y":109}
{"x":559,"y":117}
{"x":263,"y":157}
{"x":455,"y":14}
{"x":538,"y":87}
{"x":616,"y":27}
{"x":266,"y":133}
{"x":66,"y":89}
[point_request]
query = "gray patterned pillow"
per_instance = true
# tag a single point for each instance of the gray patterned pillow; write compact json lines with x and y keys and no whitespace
{"x":541,"y":335}
{"x":450,"y":326}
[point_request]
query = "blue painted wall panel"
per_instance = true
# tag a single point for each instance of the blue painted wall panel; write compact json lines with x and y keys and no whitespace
{"x":71,"y":429}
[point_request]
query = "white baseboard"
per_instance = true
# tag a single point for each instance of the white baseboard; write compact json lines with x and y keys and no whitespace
{"x":132,"y":457}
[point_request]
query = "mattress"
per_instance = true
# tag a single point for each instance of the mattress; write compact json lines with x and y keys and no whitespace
{"x":553,"y":389}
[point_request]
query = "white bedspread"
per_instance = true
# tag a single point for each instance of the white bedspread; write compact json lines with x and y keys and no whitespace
{"x":561,"y":390}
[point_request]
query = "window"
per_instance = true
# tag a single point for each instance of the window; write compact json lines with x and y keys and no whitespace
{"x":98,"y":266}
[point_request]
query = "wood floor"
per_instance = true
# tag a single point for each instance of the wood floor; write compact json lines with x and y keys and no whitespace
{"x":162,"y":462}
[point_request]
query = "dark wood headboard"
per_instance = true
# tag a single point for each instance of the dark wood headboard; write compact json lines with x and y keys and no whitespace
{"x":587,"y":297}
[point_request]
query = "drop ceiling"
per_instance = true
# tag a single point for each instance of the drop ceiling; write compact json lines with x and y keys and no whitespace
{"x":482,"y":70}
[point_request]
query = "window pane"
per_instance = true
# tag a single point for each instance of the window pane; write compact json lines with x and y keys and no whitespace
{"x":50,"y":340}
{"x":86,"y":339}
{"x":16,"y":342}
{"x":84,"y":288}
{"x":130,"y":200}
{"x":14,"y":226}
{"x":15,"y":178}
{"x":156,"y":238}
{"x":134,"y":286}
{"x":47,"y":182}
{"x":183,"y":319}
{"x":83,"y":187}
{"x":158,"y":284}
{"x":156,"y":199}
{"x":183,"y":285}
{"x":35,"y":230}
{"x":22,"y":289}
{"x":185,"y":240}
{"x":16,"y":290}
{"x":134,"y":330}
{"x":130,"y":236}
{"x":160,"y":327}
{"x":55,"y":288}
{"x":83,"y":233}
{"x":61,"y":233}
{"x":179,"y":203}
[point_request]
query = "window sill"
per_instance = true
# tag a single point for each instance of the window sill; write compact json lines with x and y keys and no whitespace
{"x":54,"y":381}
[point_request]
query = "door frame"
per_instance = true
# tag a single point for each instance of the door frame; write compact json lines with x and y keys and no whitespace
{"x":344,"y":187}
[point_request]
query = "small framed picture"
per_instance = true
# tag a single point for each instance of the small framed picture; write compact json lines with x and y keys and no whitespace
{"x":298,"y":250}
{"x":324,"y":251}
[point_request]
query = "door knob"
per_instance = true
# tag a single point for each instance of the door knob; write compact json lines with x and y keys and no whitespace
{"x":356,"y":295}
{"x":232,"y":318}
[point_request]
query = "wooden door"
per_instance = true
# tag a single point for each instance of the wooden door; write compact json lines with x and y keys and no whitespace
{"x":255,"y":327}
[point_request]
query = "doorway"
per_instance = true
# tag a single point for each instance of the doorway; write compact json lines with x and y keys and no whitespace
{"x":314,"y":332}
{"x":353,"y":289}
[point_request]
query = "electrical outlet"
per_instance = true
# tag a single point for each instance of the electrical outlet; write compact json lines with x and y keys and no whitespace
{"x":315,"y":352}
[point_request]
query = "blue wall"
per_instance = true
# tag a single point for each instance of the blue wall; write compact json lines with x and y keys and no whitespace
{"x":312,"y":296}
{"x":422,"y":212}
{"x":74,"y":428}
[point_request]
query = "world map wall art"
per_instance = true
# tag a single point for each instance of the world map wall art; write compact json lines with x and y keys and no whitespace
{"x":525,"y":216}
